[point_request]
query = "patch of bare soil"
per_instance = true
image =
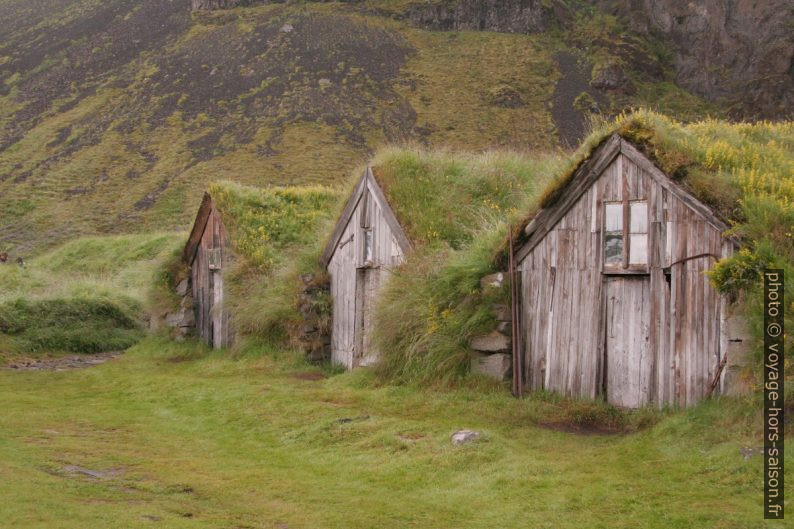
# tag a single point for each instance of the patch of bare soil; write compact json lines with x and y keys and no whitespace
{"x":63,"y":363}
{"x":74,"y":470}
{"x":580,"y":429}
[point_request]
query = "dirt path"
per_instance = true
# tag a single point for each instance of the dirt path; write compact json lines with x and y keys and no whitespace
{"x":571,"y":123}
{"x":62,"y":363}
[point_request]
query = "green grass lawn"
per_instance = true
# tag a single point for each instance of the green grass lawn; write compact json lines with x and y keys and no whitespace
{"x":185,"y":437}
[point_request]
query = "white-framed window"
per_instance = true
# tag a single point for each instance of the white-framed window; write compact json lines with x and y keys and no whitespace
{"x":625,"y":240}
{"x":367,"y":245}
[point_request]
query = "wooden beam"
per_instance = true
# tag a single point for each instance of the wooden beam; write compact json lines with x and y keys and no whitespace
{"x":198,"y":229}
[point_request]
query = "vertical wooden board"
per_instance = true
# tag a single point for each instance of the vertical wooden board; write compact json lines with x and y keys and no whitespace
{"x":532,"y":314}
{"x":612,"y":178}
{"x":218,"y":338}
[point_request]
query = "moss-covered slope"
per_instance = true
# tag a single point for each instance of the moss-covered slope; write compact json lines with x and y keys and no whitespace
{"x":115,"y":115}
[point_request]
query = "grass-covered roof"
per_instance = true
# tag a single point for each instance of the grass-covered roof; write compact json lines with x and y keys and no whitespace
{"x":444,"y":198}
{"x":734,"y":168}
{"x":264,"y":222}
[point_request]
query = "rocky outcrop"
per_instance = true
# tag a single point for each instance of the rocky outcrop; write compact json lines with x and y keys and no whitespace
{"x":737,"y":51}
{"x":612,"y":78}
{"x":211,"y":5}
{"x":507,"y":16}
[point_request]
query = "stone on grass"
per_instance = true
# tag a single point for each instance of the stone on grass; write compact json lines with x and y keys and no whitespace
{"x":492,"y":281}
{"x":464,"y":436}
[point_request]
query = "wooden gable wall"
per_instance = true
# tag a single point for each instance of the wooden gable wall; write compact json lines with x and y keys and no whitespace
{"x":565,"y":297}
{"x":354,"y":282}
{"x":212,"y":320}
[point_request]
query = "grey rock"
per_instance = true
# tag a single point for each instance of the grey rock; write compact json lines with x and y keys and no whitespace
{"x":173,"y":319}
{"x":493,"y":342}
{"x":493,"y":281}
{"x":740,"y":52}
{"x":505,"y":96}
{"x":187,"y":302}
{"x":748,"y":451}
{"x":181,"y":288}
{"x":497,"y":366}
{"x":502,"y":312}
{"x":188,"y":320}
{"x":507,"y":16}
{"x":504,"y":327}
{"x":464,"y":436}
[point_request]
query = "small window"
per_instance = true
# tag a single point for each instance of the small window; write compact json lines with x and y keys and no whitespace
{"x":626,"y":239}
{"x":638,"y":233}
{"x":613,"y":233}
{"x":368,"y":246}
{"x":214,"y":258}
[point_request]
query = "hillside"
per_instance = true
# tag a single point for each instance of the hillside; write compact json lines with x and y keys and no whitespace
{"x":116,"y":115}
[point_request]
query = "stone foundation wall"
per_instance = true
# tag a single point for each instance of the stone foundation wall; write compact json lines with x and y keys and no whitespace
{"x":492,"y":353}
{"x":314,"y":306}
{"x":182,"y":320}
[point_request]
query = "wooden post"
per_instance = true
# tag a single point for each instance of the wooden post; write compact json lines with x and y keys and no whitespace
{"x":716,"y":379}
{"x":518,"y":382}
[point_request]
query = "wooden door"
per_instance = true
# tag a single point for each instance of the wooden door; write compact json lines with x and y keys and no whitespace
{"x":216,"y":309}
{"x":367,"y":281}
{"x":629,"y":361}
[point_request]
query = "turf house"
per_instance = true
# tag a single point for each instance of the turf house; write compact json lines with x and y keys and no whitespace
{"x":366,"y":244}
{"x":241,"y":239}
{"x":206,"y":254}
{"x":615,"y":300}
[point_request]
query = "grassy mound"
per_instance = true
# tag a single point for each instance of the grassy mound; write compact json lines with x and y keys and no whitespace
{"x":89,"y":295}
{"x":433,"y":305}
{"x":77,"y":325}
